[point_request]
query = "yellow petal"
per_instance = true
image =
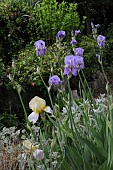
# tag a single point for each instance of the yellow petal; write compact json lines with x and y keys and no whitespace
{"x":29,"y":145}
{"x":37,"y":104}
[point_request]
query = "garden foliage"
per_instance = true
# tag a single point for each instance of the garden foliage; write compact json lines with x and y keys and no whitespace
{"x":61,"y":130}
{"x":23,"y":22}
{"x":52,"y":16}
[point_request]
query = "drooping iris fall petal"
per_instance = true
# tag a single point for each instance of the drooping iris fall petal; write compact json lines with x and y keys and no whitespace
{"x":33,"y":117}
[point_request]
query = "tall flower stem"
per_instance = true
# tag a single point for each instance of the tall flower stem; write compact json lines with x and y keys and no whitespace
{"x":103,"y":71}
{"x":25,"y":113}
{"x":47,"y":90}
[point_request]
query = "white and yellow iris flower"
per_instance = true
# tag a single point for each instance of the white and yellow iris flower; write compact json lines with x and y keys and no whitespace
{"x":37,"y":105}
{"x":37,"y":153}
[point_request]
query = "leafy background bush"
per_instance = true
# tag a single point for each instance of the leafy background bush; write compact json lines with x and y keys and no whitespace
{"x":23,"y":23}
{"x":52,"y":16}
{"x":16,"y":28}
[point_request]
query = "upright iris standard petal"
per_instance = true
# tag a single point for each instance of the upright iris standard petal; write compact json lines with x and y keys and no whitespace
{"x":40,"y":47}
{"x":79,"y":62}
{"x":55,"y":81}
{"x":69,"y":61}
{"x":28,"y":144}
{"x":33,"y":117}
{"x":60,"y":35}
{"x":79,"y":51}
{"x":72,"y":64}
{"x":77,"y":32}
{"x":40,"y":44}
{"x":37,"y":104}
{"x":101,"y":40}
{"x":97,"y":25}
{"x":73,"y":42}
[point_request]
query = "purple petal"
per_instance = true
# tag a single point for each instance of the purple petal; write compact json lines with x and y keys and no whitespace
{"x":60,"y":34}
{"x":97,"y":25}
{"x":67,"y":70}
{"x":101,"y":40}
{"x":79,"y":51}
{"x":77,"y":32}
{"x":42,"y":52}
{"x":37,"y":53}
{"x":39,"y":44}
{"x":74,"y":71}
{"x":69,"y":60}
{"x":79,"y":62}
{"x":55,"y":80}
{"x":73,"y":42}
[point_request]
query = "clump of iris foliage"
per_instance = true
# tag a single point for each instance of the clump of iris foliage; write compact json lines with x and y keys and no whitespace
{"x":73,"y":132}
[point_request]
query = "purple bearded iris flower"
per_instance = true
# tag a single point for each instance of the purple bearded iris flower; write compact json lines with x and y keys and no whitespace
{"x":55,"y":81}
{"x":77,"y":32}
{"x":72,"y":64}
{"x":101,"y":40}
{"x":79,"y":51}
{"x":40,"y":47}
{"x":60,"y":35}
{"x":79,"y":62}
{"x":97,"y":25}
{"x":73,"y":42}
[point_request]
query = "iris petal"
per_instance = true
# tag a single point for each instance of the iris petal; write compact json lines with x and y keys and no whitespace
{"x":48,"y":109}
{"x":33,"y":117}
{"x":38,"y":154}
{"x":67,"y":70}
{"x":74,"y":71}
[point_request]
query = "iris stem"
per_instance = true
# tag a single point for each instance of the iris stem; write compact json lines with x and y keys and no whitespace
{"x":25,"y":113}
{"x":47,"y":90}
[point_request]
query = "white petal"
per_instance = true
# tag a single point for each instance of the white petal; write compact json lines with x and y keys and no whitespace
{"x":24,"y":155}
{"x":37,"y":146}
{"x":38,"y":154}
{"x":33,"y":117}
{"x":48,"y":109}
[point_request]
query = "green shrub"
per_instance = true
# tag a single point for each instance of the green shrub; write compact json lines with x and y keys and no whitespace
{"x":90,"y":51}
{"x":24,"y":22}
{"x":17,"y":28}
{"x":24,"y":70}
{"x":52,"y":16}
